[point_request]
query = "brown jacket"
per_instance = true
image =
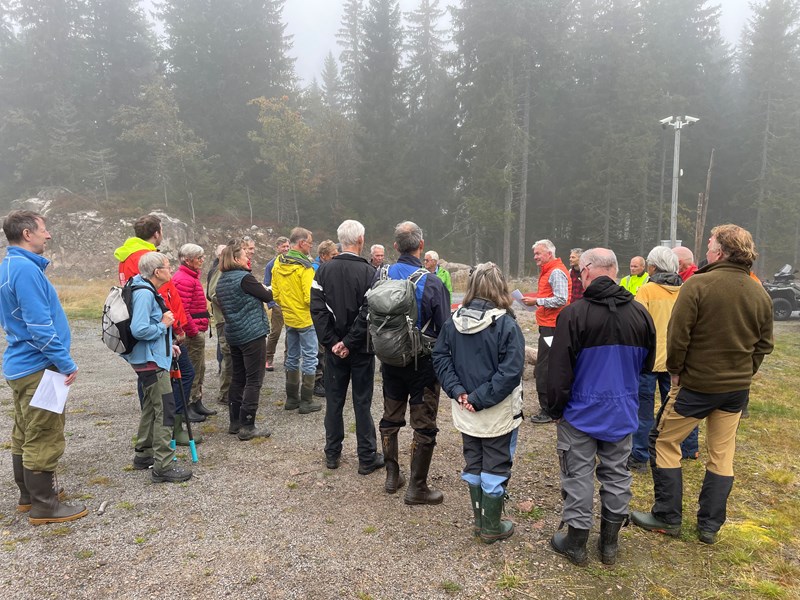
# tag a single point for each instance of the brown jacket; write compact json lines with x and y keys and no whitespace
{"x":720,"y":329}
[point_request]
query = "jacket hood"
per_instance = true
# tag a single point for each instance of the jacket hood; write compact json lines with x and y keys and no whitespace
{"x":293,"y":260}
{"x":131,"y":245}
{"x":605,"y":290}
{"x":476,"y":317}
{"x":666,"y":279}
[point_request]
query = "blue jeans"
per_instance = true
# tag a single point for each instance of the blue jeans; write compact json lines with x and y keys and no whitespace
{"x":641,"y":437}
{"x":301,"y":342}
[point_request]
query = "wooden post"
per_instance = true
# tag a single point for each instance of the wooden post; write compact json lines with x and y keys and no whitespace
{"x":702,"y":210}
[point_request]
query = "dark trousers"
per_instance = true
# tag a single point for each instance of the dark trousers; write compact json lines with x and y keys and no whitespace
{"x":339,"y":372}
{"x":418,"y":389}
{"x":247,"y":378}
{"x":488,"y":461}
{"x":542,"y":365}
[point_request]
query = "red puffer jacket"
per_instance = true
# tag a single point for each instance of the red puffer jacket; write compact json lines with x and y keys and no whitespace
{"x":187,"y":281}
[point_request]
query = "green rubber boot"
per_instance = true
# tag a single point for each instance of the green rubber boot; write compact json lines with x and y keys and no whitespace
{"x":292,"y":390}
{"x":493,"y":526}
{"x":307,"y":404}
{"x":181,"y":436}
{"x":476,"y":498}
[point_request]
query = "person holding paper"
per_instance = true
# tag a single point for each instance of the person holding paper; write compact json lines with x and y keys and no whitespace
{"x":551,"y":297}
{"x":38,"y":339}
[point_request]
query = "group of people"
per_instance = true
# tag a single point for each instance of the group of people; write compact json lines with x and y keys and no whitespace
{"x":698,"y":334}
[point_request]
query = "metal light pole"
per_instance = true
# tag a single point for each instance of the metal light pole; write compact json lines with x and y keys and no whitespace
{"x":677,"y":123}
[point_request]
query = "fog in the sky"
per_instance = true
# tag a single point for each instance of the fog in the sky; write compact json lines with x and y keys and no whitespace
{"x":314,"y":24}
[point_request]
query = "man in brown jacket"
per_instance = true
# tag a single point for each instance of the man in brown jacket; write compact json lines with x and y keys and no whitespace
{"x":719,"y":332}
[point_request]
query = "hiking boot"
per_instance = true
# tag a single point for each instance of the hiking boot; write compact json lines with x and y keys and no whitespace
{"x":572,"y":545}
{"x":171,"y":475}
{"x":648,"y":521}
{"x":201,"y":409}
{"x":268,"y":366}
{"x":418,"y":491}
{"x":636,"y":466}
{"x":367,"y":468}
{"x":707,"y":537}
{"x":541,"y":419}
{"x":292,"y":390}
{"x":45,"y":504}
{"x":142,"y":463}
{"x":307,"y":404}
{"x":248,"y":432}
{"x":192,"y":414}
{"x":332,"y":462}
{"x":319,"y":389}
{"x":493,"y":526}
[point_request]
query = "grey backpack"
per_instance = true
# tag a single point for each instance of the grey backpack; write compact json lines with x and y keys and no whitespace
{"x":392,"y":318}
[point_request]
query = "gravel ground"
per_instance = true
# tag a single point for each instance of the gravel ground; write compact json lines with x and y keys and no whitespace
{"x":266,"y":519}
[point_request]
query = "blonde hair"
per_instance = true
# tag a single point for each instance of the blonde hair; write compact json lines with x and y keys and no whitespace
{"x":736,"y":244}
{"x":488,"y":282}
{"x":227,"y":260}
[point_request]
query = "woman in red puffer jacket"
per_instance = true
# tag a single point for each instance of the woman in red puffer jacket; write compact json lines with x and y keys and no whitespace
{"x":187,"y":280}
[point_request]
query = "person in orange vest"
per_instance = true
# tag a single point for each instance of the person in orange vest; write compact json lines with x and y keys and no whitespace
{"x":551,"y":297}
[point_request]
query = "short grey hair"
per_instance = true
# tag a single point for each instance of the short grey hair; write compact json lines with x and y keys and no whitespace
{"x":663,"y":259}
{"x":349,"y":232}
{"x":433,"y":254}
{"x":190,"y":251}
{"x":408,"y":237}
{"x":577,"y":251}
{"x":375,"y":247}
{"x":149,"y":262}
{"x":602,"y":258}
{"x":551,"y":247}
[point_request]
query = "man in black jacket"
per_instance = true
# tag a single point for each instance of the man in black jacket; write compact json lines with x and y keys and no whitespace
{"x":337,"y":296}
{"x":600,"y":346}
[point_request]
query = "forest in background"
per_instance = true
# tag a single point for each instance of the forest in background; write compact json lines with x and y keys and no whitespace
{"x":528,"y":119}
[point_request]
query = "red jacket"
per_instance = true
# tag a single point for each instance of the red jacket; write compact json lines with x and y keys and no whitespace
{"x":187,"y":282}
{"x":690,"y":270}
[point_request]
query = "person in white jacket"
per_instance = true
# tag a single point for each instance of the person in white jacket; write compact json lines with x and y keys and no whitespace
{"x":479,"y":358}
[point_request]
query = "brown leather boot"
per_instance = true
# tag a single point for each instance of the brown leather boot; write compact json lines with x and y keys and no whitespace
{"x":418,"y":491}
{"x":45,"y":505}
{"x":394,"y":477}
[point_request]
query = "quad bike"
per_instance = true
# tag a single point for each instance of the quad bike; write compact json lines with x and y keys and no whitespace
{"x":785,"y":293}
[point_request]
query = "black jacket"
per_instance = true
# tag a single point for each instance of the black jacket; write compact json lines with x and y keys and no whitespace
{"x":337,"y":295}
{"x":601,"y":344}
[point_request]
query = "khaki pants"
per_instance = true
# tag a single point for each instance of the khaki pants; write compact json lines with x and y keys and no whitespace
{"x":38,"y":435}
{"x":158,"y":419}
{"x":197,"y":356}
{"x":226,"y":369}
{"x":275,"y":328}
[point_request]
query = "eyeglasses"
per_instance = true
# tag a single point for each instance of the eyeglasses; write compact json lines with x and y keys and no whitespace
{"x":168,"y":268}
{"x":586,"y":267}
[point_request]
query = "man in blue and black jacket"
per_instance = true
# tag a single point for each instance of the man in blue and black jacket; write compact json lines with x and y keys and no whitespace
{"x":601,"y":344}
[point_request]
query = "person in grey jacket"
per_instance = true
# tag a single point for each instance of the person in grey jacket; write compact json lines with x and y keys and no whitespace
{"x":479,"y":358}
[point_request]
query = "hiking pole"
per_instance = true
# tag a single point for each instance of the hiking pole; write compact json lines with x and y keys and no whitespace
{"x":175,"y":374}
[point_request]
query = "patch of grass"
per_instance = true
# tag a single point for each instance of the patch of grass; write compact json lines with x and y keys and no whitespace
{"x":100,"y":480}
{"x":451,"y":587}
{"x":102,"y":423}
{"x":83,"y":554}
{"x":370,"y":529}
{"x":86,"y":497}
{"x":329,"y":521}
{"x":534,"y":514}
{"x":509,"y":579}
{"x":363,"y":596}
{"x":139,"y":539}
{"x":292,"y":485}
{"x":125,"y":505}
{"x":253,"y":579}
{"x":780,"y":476}
{"x":83,"y":299}
{"x":58,"y":531}
{"x":351,"y":428}
{"x":5,"y":446}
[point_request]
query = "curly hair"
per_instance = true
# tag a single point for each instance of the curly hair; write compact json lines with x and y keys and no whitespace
{"x":736,"y":244}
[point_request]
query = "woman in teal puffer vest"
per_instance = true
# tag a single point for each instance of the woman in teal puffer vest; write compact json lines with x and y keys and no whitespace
{"x":241,"y":298}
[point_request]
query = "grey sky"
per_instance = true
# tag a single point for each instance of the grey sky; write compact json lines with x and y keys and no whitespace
{"x":314,"y":24}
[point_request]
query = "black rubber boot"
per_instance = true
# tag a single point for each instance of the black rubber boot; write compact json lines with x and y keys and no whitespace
{"x":202,"y":409}
{"x":45,"y":505}
{"x":193,"y":416}
{"x":572,"y":545}
{"x":307,"y":404}
{"x":233,"y":415}
{"x":248,"y":429}
{"x":493,"y":526}
{"x":394,"y":477}
{"x":418,"y":491}
{"x":610,"y":524}
{"x":292,"y":390}
{"x":668,"y":492}
{"x":476,"y":498}
{"x":713,"y":506}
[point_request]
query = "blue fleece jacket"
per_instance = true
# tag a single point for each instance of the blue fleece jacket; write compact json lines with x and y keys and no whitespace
{"x":155,"y":338}
{"x":36,"y":327}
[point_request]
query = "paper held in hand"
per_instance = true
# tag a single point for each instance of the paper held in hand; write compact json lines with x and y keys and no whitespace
{"x":517,"y":295}
{"x":52,"y":393}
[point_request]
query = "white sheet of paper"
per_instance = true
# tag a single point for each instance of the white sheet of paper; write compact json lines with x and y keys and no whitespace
{"x":517,"y":295}
{"x":548,"y":339}
{"x":51,"y":394}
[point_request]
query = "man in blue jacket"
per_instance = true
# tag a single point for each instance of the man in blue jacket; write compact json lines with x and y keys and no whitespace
{"x":151,"y":359}
{"x":601,"y":344}
{"x":38,"y":338}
